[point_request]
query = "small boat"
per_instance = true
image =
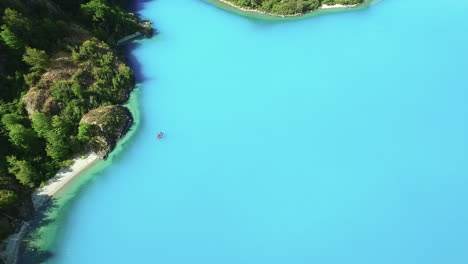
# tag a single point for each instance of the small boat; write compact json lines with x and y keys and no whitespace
{"x":160,"y":135}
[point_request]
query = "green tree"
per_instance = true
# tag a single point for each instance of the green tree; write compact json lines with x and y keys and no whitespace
{"x":16,"y":29}
{"x":17,"y":22}
{"x":41,"y":123}
{"x":10,"y":39}
{"x":62,"y":126}
{"x":9,"y":120}
{"x":85,"y":132}
{"x":8,"y":198}
{"x":32,"y":78}
{"x":58,"y":148}
{"x":22,"y":137}
{"x":37,"y":59}
{"x":99,"y":13}
{"x":23,"y":171}
{"x":18,"y":134}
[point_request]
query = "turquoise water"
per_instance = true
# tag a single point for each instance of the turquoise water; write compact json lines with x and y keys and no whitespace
{"x":333,"y":139}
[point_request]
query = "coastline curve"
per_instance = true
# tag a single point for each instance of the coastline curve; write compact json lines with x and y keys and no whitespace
{"x":255,"y":13}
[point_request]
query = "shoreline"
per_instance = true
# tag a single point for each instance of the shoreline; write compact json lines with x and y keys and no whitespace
{"x":12,"y":245}
{"x":89,"y":164}
{"x":62,"y":178}
{"x":256,"y":11}
{"x":43,"y":194}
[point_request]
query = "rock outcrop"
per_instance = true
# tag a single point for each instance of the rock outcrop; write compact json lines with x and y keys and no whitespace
{"x":148,"y":30}
{"x":39,"y":100}
{"x":109,"y":124}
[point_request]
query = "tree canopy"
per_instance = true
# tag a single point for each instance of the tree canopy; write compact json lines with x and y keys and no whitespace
{"x":290,"y":7}
{"x":109,"y":20}
{"x":7,"y":199}
{"x":60,"y":57}
{"x":36,"y":59}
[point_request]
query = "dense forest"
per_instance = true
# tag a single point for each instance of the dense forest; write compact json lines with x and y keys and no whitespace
{"x":290,"y":7}
{"x":58,"y":62}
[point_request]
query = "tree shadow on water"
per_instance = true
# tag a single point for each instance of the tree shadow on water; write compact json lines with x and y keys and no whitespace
{"x":28,"y":252}
{"x":133,"y":62}
{"x":136,"y":5}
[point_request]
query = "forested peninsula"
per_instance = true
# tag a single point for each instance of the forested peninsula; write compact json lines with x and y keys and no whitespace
{"x":62,"y":80}
{"x":288,"y":7}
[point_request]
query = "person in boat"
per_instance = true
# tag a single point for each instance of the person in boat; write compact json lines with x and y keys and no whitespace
{"x":160,"y":135}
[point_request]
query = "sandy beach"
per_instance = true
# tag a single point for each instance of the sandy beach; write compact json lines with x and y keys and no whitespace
{"x":336,"y":6}
{"x":41,"y":195}
{"x":64,"y":176}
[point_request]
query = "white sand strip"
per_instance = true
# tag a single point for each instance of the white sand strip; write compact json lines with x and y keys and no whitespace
{"x":64,"y":176}
{"x":336,"y":6}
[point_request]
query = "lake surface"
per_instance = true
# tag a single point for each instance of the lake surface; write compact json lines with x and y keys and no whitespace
{"x":331,"y":139}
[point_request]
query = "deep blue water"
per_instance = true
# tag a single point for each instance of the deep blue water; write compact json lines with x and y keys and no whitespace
{"x":335,"y":139}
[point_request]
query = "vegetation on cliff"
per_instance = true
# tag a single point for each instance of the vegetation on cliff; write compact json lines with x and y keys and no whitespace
{"x":103,"y":126}
{"x":58,"y":67}
{"x":289,"y":7}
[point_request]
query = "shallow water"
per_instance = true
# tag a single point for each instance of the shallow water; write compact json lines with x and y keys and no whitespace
{"x":333,"y":139}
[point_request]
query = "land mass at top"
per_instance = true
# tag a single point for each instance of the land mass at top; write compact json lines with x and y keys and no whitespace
{"x":289,"y":7}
